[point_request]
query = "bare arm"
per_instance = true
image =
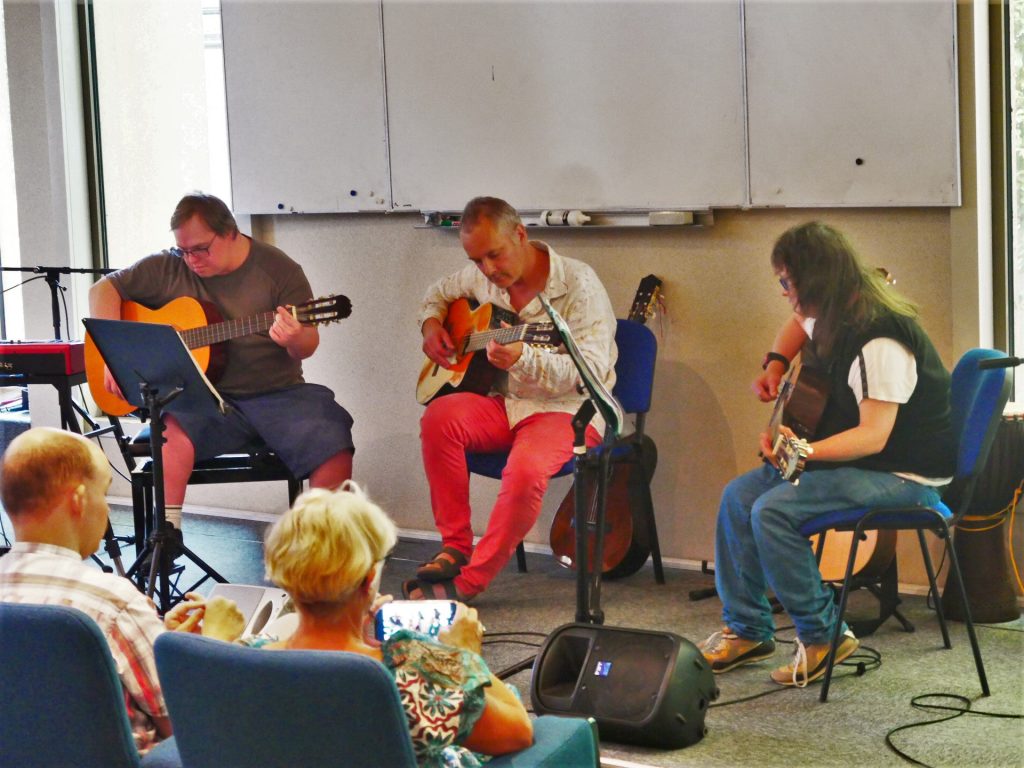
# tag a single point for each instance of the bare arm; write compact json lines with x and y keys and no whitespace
{"x":788,"y":342}
{"x":104,"y":300}
{"x":877,"y":418}
{"x":504,"y":726}
{"x":105,"y":303}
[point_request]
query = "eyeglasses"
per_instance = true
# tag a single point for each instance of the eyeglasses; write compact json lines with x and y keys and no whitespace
{"x":199,"y":250}
{"x":786,"y":283}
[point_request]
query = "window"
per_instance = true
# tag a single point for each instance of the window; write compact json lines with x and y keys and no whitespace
{"x":161,"y":114}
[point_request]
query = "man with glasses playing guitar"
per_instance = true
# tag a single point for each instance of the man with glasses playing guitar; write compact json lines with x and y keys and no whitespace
{"x":884,"y":438}
{"x":260,"y":287}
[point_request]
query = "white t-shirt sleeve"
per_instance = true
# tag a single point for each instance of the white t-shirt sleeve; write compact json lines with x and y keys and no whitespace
{"x":884,"y":370}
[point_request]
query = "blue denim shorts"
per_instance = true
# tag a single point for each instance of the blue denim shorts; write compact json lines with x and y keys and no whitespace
{"x":302,"y":424}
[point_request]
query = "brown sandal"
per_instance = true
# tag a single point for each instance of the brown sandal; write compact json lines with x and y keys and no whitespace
{"x":443,"y":566}
{"x":440,"y":590}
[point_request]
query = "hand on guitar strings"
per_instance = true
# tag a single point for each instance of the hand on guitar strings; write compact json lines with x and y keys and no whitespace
{"x":437,"y":344}
{"x":109,"y":384}
{"x":766,"y":386}
{"x":768,"y":444}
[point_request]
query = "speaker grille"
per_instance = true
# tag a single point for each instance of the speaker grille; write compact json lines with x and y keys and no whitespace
{"x":625,"y":674}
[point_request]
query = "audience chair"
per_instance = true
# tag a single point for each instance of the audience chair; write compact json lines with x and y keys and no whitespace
{"x":61,"y":702}
{"x":238,"y":706}
{"x":977,"y":398}
{"x":634,"y":384}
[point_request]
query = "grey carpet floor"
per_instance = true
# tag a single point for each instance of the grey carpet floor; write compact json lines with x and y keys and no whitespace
{"x":754,"y":722}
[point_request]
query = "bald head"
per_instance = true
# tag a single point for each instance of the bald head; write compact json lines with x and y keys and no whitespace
{"x":43,"y":463}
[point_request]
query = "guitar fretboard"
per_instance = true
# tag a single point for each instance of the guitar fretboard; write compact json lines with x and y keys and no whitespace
{"x":228,"y":329}
{"x":477,"y":341}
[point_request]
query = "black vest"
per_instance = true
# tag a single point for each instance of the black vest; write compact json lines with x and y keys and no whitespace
{"x":922,"y":440}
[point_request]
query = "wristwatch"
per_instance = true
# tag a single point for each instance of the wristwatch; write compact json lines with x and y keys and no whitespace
{"x":775,"y":356}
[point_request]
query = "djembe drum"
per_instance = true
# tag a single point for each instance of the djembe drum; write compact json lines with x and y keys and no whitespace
{"x":982,"y":539}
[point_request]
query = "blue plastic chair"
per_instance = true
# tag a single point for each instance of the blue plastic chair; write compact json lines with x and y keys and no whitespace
{"x":634,"y":384}
{"x":977,"y":400}
{"x":61,"y":702}
{"x":237,"y":706}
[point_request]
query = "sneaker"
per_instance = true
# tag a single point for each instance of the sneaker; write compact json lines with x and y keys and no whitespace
{"x":814,"y":658}
{"x":725,"y":650}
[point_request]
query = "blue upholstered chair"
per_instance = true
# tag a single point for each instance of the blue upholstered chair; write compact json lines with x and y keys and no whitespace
{"x":61,"y":702}
{"x":977,"y":398}
{"x":237,"y":706}
{"x":634,"y":384}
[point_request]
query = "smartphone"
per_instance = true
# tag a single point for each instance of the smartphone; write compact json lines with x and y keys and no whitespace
{"x":427,"y":617}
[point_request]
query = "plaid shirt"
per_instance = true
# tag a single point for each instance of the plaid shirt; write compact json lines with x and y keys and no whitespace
{"x":44,"y":573}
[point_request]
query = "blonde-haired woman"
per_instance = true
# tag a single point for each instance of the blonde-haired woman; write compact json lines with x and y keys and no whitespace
{"x":328,"y":552}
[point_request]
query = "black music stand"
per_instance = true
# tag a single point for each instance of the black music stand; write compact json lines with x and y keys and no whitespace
{"x":156,"y":372}
{"x":588,"y":579}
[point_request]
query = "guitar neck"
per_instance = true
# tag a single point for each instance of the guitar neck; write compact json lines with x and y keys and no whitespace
{"x":215,"y":333}
{"x":477,"y":341}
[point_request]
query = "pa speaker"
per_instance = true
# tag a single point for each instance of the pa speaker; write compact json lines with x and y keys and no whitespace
{"x":642,"y":687}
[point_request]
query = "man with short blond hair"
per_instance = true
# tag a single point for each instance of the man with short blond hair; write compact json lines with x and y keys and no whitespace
{"x":53,"y":485}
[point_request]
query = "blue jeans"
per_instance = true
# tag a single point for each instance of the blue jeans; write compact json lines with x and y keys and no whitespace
{"x":758,"y":544}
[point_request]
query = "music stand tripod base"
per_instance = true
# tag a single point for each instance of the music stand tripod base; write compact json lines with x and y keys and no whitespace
{"x":156,"y":372}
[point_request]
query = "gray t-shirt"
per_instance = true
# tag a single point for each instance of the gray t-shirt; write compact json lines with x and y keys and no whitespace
{"x":268,"y":278}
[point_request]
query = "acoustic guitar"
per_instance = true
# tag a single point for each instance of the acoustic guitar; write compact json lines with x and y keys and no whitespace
{"x":202,"y":329}
{"x":471,"y":327}
{"x":624,"y":551}
{"x":799,"y":406}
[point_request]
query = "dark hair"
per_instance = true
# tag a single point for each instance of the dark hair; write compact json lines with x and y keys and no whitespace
{"x":830,"y":281}
{"x":493,"y":209}
{"x":210,"y":209}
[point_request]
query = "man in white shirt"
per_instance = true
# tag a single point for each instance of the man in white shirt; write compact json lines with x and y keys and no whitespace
{"x":530,"y":408}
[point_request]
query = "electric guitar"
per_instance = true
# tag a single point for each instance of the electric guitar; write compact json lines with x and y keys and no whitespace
{"x":202,"y":329}
{"x":470,"y":327}
{"x":624,"y":551}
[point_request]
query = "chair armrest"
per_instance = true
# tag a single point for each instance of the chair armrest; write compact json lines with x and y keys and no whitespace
{"x":558,"y":742}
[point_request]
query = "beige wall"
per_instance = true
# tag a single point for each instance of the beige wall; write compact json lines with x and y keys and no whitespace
{"x":723,"y":306}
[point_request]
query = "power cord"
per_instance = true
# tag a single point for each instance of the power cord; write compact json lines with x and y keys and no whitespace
{"x":917,"y":703}
{"x":865,"y":659}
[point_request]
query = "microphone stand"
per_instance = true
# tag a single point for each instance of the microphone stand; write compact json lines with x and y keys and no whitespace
{"x":52,"y":277}
{"x":600,"y":400}
{"x":68,"y":406}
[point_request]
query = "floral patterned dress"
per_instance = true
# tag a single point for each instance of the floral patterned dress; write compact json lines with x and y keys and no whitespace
{"x":442,"y":691}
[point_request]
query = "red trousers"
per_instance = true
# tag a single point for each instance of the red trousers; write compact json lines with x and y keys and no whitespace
{"x":538,"y":446}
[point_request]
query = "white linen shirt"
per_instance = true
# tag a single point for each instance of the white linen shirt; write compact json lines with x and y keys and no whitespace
{"x":543,"y":380}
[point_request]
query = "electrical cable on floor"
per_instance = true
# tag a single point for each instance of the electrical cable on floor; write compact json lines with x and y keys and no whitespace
{"x":865,"y":659}
{"x":996,"y":626}
{"x":916,"y":702}
{"x":511,"y":642}
{"x":862,"y":660}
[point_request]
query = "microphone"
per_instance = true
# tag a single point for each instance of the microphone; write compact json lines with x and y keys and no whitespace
{"x":1001,"y":362}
